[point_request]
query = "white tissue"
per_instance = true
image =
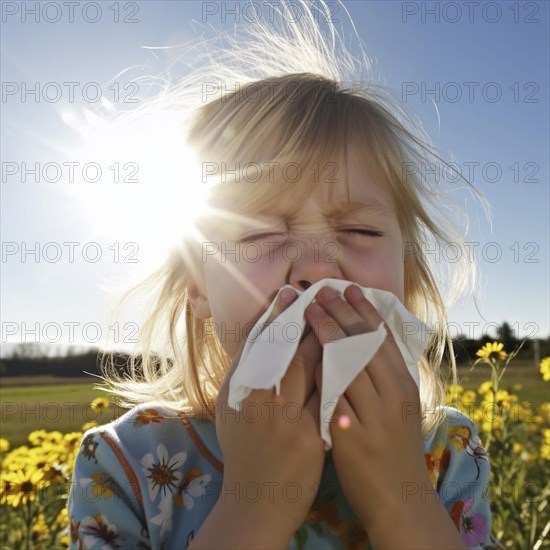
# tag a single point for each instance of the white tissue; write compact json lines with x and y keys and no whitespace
{"x":268,"y":352}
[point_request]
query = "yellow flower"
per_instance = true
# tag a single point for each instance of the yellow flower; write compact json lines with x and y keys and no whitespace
{"x":503,"y":399}
{"x":517,"y":387}
{"x":545,"y":447}
{"x":4,"y":445}
{"x":494,"y":426}
{"x":454,"y":393}
{"x":485,"y":388}
{"x":64,"y":541}
{"x":53,"y":438}
{"x":39,"y":528}
{"x":518,"y":447}
{"x":15,"y":459}
{"x":492,"y":351}
{"x":544,"y":411}
{"x":38,"y":437}
{"x":99,"y":403}
{"x":491,"y":419}
{"x":20,"y":487}
{"x":469,"y":396}
{"x":62,"y":519}
{"x":545,"y":368}
{"x":477,"y":415}
{"x":72,"y":440}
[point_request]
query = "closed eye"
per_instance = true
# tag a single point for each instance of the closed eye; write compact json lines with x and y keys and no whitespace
{"x":362,"y":231}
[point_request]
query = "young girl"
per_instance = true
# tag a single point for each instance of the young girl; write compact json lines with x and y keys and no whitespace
{"x":311,"y":185}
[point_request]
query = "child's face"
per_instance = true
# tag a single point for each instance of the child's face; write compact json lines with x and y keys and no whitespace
{"x":299,"y":245}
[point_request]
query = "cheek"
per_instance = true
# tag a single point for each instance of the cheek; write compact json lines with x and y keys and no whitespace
{"x":240,"y":291}
{"x":383,"y":270}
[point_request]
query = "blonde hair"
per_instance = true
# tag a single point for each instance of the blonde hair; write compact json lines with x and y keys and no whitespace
{"x":295,"y":102}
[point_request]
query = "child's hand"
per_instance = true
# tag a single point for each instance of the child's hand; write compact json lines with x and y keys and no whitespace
{"x":273,"y":453}
{"x":383,"y":447}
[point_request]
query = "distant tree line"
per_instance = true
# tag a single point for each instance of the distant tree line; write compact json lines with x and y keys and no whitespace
{"x":465,"y":348}
{"x":30,"y":359}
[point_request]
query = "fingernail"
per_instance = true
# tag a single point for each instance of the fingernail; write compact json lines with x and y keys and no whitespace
{"x":327,"y":294}
{"x":287,"y":296}
{"x":355,"y":293}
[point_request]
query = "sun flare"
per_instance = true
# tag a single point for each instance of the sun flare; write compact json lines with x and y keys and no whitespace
{"x":137,"y":179}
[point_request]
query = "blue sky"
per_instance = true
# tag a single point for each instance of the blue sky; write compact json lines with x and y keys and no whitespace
{"x":505,"y":140}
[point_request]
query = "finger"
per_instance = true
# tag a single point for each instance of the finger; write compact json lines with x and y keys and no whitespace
{"x":356,"y":299}
{"x":388,"y":371}
{"x":324,"y":326}
{"x":342,"y":311}
{"x":388,"y":363}
{"x":285,"y":298}
{"x":361,"y":395}
{"x":298,"y":382}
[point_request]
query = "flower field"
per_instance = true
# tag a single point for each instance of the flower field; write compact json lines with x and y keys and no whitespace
{"x":35,"y":477}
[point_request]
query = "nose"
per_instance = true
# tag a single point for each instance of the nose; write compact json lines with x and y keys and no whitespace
{"x":312,"y":261}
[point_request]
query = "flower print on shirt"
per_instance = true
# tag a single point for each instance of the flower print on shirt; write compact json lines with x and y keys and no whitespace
{"x":94,"y":529}
{"x":103,"y":485}
{"x":74,"y":535}
{"x":325,"y":515}
{"x":476,"y":450}
{"x":459,"y":437}
{"x":89,"y":447}
{"x":191,"y":486}
{"x":437,"y":462}
{"x":472,"y":527}
{"x":462,"y":439}
{"x":147,"y":416}
{"x":164,"y":518}
{"x":163,"y":473}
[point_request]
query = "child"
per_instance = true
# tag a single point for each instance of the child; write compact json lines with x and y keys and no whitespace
{"x":311,"y":186}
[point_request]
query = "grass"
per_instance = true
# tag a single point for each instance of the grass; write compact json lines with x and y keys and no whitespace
{"x":62,"y":407}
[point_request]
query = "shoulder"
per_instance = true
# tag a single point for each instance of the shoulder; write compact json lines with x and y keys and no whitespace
{"x":457,"y":418}
{"x":158,"y":463}
{"x":456,"y":460}
{"x":455,"y":443}
{"x":451,"y":421}
{"x":153,"y":429}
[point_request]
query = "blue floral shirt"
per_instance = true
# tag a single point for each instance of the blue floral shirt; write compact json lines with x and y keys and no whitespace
{"x":150,"y":478}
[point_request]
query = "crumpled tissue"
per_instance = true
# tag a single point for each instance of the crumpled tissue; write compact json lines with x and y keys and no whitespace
{"x":266,"y":357}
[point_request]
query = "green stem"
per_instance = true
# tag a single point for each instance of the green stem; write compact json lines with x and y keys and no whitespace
{"x":494,"y":380}
{"x":533,"y":526}
{"x":29,"y":516}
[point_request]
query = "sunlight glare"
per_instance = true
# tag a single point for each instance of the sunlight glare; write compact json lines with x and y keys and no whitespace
{"x":138,"y":180}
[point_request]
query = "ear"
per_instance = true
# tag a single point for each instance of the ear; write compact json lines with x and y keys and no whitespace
{"x":199,"y":301}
